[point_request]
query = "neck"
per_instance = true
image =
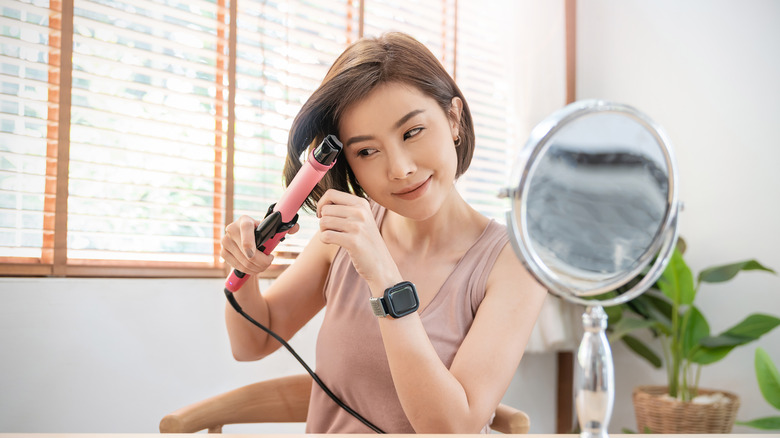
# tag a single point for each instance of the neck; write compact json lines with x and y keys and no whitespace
{"x":442,"y":231}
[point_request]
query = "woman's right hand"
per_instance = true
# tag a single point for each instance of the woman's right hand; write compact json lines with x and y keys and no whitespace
{"x":238,"y":246}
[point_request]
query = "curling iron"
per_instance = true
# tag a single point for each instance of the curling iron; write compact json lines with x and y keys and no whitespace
{"x":282,"y":215}
{"x":278,"y":220}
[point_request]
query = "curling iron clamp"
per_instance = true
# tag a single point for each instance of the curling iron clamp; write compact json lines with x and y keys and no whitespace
{"x":281,"y":216}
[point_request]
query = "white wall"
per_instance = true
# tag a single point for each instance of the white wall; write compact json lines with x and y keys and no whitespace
{"x":709,"y":73}
{"x":116,"y":355}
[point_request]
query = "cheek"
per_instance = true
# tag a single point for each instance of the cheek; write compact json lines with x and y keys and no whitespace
{"x":448,"y":156}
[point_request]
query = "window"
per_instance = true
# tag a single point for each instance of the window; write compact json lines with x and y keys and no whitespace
{"x":132,"y":158}
{"x":484,"y":76}
{"x":284,"y":50}
{"x":28,"y":107}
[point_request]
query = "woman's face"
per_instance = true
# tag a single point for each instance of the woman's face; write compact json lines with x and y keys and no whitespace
{"x":399,"y":143}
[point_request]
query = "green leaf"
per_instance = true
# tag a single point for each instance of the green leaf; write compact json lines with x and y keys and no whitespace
{"x":638,"y":305}
{"x":768,"y":378}
{"x":766,"y":423}
{"x":677,"y":281}
{"x":748,"y":330}
{"x":704,"y":355}
{"x":694,"y":330}
{"x":614,"y":313}
{"x":626,"y":431}
{"x":642,"y":350}
{"x":681,"y":245}
{"x":723,"y":273}
{"x":754,"y":326}
{"x":628,"y":325}
{"x":725,"y":340}
{"x":659,"y":309}
{"x":605,"y":296}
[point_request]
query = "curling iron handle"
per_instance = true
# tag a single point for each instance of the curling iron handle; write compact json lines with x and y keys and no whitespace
{"x":235,"y":280}
{"x":272,"y":242}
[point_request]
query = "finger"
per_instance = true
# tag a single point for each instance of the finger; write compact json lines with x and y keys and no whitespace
{"x":295,"y":228}
{"x":247,"y":228}
{"x":236,"y":258}
{"x":233,"y":254}
{"x":324,"y":200}
{"x":336,"y":210}
{"x":334,"y":223}
{"x":337,"y":197}
{"x":260,"y":262}
{"x":348,"y":241}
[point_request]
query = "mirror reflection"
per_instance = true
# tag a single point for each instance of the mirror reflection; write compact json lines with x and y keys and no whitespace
{"x":595,"y":199}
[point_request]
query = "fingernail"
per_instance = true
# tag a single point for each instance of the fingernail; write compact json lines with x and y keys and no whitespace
{"x":250,"y":253}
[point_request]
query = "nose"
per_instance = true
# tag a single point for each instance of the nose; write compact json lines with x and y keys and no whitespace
{"x":400,"y":164}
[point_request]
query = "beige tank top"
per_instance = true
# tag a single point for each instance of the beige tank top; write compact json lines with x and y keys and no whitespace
{"x":350,"y":355}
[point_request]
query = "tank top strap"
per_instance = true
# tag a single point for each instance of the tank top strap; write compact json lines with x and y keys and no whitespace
{"x":482,"y":256}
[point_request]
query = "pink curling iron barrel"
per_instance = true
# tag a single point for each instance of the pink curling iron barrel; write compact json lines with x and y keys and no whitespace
{"x":282,"y":215}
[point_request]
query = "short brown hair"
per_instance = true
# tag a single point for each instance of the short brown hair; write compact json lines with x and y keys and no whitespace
{"x":365,"y":64}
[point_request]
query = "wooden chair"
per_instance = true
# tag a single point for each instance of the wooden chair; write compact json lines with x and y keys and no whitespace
{"x":281,"y":400}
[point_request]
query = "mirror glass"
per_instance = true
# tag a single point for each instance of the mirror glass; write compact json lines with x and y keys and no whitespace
{"x":593,"y":197}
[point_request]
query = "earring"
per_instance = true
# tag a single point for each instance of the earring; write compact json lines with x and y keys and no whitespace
{"x":457,"y":141}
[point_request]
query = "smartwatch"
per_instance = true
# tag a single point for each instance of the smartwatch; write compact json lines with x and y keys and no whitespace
{"x":399,"y":300}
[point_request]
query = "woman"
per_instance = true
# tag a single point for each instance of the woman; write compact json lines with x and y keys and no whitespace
{"x":389,"y":213}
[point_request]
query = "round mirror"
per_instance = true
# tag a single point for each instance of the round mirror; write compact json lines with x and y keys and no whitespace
{"x":594,"y":201}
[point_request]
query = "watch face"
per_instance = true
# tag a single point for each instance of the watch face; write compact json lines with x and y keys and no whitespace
{"x":402,"y":299}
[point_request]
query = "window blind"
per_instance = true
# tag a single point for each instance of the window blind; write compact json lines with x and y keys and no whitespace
{"x":147,"y":132}
{"x":152,"y":122}
{"x":430,"y":22}
{"x":28,"y":111}
{"x":283,"y":52}
{"x":484,"y":76}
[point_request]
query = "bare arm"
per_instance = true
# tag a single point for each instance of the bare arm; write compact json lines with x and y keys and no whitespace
{"x":462,"y":399}
{"x":436,"y":399}
{"x":289,"y":303}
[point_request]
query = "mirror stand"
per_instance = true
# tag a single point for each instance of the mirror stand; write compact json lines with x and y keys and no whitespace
{"x":595,"y":376}
{"x":594,"y":206}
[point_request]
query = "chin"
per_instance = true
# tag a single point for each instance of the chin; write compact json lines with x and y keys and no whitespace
{"x":419,"y":209}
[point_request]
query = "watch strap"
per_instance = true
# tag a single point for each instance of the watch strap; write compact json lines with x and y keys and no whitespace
{"x":378,"y":306}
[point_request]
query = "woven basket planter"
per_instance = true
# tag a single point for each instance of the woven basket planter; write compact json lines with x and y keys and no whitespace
{"x":662,"y":415}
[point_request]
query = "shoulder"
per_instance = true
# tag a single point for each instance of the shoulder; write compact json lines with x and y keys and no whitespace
{"x":510,"y":276}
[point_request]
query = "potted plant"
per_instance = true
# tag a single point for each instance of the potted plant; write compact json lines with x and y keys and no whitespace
{"x":769,"y":383}
{"x":668,"y":311}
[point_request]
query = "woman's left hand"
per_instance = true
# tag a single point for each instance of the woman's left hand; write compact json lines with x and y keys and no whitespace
{"x":346,"y":220}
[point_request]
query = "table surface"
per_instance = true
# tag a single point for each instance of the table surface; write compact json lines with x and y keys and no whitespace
{"x":157,"y":435}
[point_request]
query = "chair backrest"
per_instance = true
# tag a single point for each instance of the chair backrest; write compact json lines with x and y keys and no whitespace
{"x":282,"y":400}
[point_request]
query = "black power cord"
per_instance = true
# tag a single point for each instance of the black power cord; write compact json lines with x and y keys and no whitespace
{"x":232,"y":300}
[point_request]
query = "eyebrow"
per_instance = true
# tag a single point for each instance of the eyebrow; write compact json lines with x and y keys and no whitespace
{"x":401,"y":121}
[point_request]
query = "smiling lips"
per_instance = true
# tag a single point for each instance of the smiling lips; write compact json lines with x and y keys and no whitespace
{"x":415,"y":191}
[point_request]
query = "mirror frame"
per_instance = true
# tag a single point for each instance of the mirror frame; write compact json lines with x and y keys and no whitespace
{"x":663,"y":244}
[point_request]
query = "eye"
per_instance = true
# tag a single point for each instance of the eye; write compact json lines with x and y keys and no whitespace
{"x":366,"y":152}
{"x":412,"y":132}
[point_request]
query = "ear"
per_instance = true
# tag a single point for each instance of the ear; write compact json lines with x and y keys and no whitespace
{"x":456,"y":107}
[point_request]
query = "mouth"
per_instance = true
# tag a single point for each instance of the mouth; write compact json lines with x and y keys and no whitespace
{"x":414,"y":191}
